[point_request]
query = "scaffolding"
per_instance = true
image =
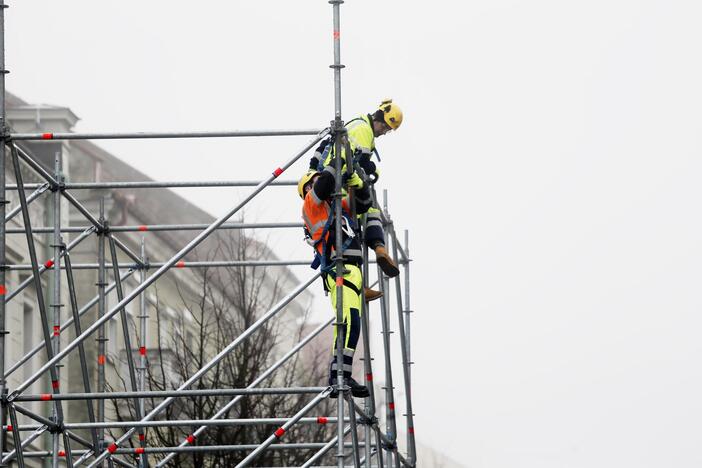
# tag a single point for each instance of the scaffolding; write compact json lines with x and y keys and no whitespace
{"x":359,"y":440}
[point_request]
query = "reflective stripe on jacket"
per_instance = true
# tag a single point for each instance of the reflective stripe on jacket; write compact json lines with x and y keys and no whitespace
{"x":360,"y":132}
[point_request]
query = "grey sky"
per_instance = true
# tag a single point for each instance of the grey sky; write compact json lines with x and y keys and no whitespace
{"x":548,"y":171}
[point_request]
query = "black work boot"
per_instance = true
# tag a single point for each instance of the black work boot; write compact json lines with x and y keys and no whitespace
{"x":357,"y":390}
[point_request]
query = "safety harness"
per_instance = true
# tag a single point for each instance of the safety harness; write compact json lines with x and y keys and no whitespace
{"x":321,"y":259}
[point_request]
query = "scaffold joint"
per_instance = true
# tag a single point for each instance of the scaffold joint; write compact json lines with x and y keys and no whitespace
{"x":59,"y":186}
{"x":389,"y":446}
{"x":336,"y":2}
{"x":56,"y":427}
{"x":4,"y":202}
{"x":368,"y":420}
{"x":103,"y":228}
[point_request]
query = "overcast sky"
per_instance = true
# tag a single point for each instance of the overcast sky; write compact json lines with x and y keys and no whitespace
{"x":548,"y":171}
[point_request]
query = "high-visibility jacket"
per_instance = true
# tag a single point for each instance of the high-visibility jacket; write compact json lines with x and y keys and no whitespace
{"x":317,"y":210}
{"x":360,"y":134}
{"x":361,"y":138}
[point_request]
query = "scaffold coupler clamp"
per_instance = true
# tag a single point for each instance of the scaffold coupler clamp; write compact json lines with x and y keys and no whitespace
{"x":103,"y":229}
{"x":56,"y":427}
{"x":392,"y":445}
{"x":368,"y":420}
{"x":60,"y":184}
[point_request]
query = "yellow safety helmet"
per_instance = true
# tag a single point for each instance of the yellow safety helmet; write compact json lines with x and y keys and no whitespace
{"x":304,"y":180}
{"x":391,"y":113}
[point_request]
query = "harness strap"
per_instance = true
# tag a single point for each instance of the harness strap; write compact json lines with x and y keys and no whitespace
{"x":347,"y":284}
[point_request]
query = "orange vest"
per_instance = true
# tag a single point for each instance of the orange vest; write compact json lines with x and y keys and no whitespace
{"x":315,"y":214}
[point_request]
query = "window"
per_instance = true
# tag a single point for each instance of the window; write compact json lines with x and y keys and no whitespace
{"x":28,"y":341}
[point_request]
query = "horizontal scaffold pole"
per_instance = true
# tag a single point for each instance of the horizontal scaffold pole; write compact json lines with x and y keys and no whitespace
{"x":179,"y":422}
{"x":160,"y":227}
{"x":170,"y":393}
{"x":157,"y":184}
{"x":143,"y":135}
{"x":179,"y":265}
{"x":196,"y":448}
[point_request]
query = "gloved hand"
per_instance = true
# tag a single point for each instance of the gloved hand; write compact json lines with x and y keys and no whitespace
{"x":354,"y":181}
{"x":367,"y":165}
{"x":314,"y":161}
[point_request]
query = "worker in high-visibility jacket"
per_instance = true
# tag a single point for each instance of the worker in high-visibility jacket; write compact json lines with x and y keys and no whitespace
{"x":362,"y":132}
{"x":316,"y":189}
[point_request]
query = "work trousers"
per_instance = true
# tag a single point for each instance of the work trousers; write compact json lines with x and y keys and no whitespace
{"x":351,"y":328}
{"x":374,"y":234}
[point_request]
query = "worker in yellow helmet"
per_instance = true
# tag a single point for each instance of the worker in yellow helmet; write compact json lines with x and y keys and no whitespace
{"x":362,"y":132}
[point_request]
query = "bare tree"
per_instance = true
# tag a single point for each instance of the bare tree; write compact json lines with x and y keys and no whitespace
{"x":224,"y":303}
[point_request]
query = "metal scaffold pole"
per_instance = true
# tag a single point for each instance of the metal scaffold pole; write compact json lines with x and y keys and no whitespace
{"x":390,"y":421}
{"x":338,"y":135}
{"x":405,"y":356}
{"x":154,"y":184}
{"x":161,"y":135}
{"x":56,"y":305}
{"x":101,"y":339}
{"x":143,"y":323}
{"x":369,"y":412}
{"x":3,"y":202}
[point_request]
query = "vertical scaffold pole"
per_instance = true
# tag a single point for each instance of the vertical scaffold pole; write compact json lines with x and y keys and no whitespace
{"x":142,"y":346}
{"x":56,"y":296}
{"x":3,"y":202}
{"x":390,"y":423}
{"x":408,"y":338}
{"x":408,"y":309}
{"x":405,"y":357}
{"x":101,"y":331}
{"x":367,"y":363}
{"x":338,"y":128}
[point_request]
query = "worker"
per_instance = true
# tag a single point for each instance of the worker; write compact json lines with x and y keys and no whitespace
{"x":362,"y":132}
{"x":316,"y":189}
